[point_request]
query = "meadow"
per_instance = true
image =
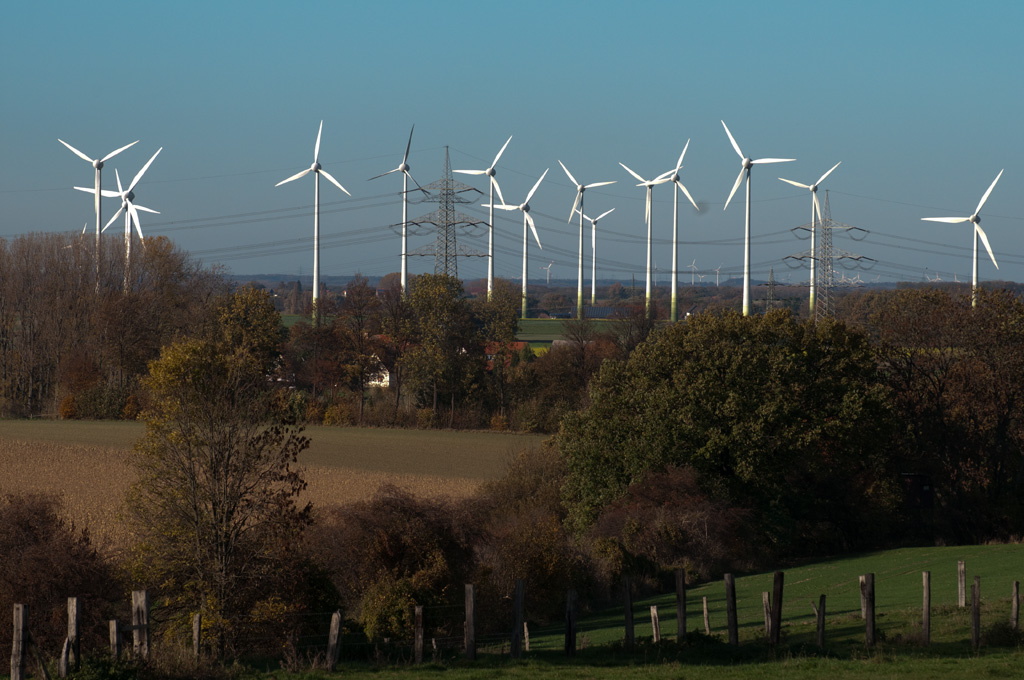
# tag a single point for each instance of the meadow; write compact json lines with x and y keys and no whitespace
{"x":86,"y":463}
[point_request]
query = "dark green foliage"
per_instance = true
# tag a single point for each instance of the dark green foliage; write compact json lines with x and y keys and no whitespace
{"x":786,"y":419}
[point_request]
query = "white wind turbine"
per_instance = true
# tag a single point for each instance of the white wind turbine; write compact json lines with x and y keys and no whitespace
{"x":593,"y":251}
{"x":317,"y":170}
{"x":815,"y":209}
{"x":746,"y":164}
{"x":975,"y":219}
{"x":580,"y":188}
{"x":404,"y":168}
{"x":674,"y":178}
{"x":130,"y":210}
{"x":490,"y":172}
{"x":547,"y":269}
{"x":524,"y":207}
{"x":97,"y":163}
{"x":693,"y":271}
{"x":649,"y":184}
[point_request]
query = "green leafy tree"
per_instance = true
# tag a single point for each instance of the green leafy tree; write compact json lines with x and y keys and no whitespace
{"x":787,"y":419}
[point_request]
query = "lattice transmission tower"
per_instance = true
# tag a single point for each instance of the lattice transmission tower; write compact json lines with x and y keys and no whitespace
{"x":446,"y":192}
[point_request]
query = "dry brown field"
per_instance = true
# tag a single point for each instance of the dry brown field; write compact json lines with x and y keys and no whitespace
{"x":86,"y":464}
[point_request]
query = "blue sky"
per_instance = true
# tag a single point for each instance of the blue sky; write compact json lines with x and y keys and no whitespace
{"x":921,"y":101}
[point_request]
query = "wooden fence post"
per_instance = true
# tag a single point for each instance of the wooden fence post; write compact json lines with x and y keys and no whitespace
{"x":115,"y":639}
{"x":766,"y":605}
{"x":680,"y":604}
{"x":19,"y":641}
{"x":821,"y":622}
{"x":140,"y":623}
{"x":730,"y":609}
{"x":418,"y":641}
{"x":627,"y":610}
{"x":74,"y":645}
{"x":961,"y":584}
{"x":469,"y":641}
{"x":655,"y":623}
{"x":869,"y":603}
{"x":1015,"y":605}
{"x":526,"y":636}
{"x":777,"y":608}
{"x":926,"y":607}
{"x":570,"y":623}
{"x":976,"y":613}
{"x":516,"y":647}
{"x":707,"y":617}
{"x":334,"y":641}
{"x":197,"y":636}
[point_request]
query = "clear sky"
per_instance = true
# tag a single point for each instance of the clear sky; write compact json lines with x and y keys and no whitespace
{"x":921,"y":101}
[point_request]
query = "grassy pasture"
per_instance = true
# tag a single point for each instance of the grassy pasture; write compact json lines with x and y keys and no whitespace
{"x":86,"y":463}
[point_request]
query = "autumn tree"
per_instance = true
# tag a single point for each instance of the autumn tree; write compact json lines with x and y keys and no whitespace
{"x":358,"y":327}
{"x":216,"y":497}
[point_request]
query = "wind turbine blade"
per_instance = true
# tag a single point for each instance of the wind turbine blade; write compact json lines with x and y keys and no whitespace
{"x":985,"y":197}
{"x":383,"y":174}
{"x":75,"y":151}
{"x":112,"y":219}
{"x":593,"y":234}
{"x":598,"y":184}
{"x":117,"y":151}
{"x":735,"y":146}
{"x":817,"y":206}
{"x":117,"y":175}
{"x":739,"y":178}
{"x":84,"y":228}
{"x":409,"y":175}
{"x":603,"y":215}
{"x":679,"y":163}
{"x":533,"y":228}
{"x":530,"y":195}
{"x":796,"y":184}
{"x":647,"y":206}
{"x":502,"y":151}
{"x":822,"y":179}
{"x":408,"y":145}
{"x":984,"y":239}
{"x":135,"y":219}
{"x":571,"y":178}
{"x":88,"y":190}
{"x":497,"y":188}
{"x":145,"y":167}
{"x":638,"y":177}
{"x":145,"y":209}
{"x":574,"y":205}
{"x":947,"y":220}
{"x":294,"y":177}
{"x":499,"y":207}
{"x":687,"y":194}
{"x":333,"y":181}
{"x":772,"y":160}
{"x":316,"y":149}
{"x":471,"y":172}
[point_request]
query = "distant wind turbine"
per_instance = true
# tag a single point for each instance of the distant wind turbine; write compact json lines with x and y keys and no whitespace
{"x":524,"y":207}
{"x":674,"y":178}
{"x":317,"y":170}
{"x":718,"y":270}
{"x":490,"y":172}
{"x":578,"y":202}
{"x":649,"y":184}
{"x":548,"y":270}
{"x":593,"y":251}
{"x":815,"y":209}
{"x":97,"y":163}
{"x":693,"y":271}
{"x":975,"y":219}
{"x":404,"y":168}
{"x":746,"y":164}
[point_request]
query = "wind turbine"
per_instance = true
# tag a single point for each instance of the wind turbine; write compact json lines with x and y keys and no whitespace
{"x":674,"y":178}
{"x":97,"y":163}
{"x":317,"y":170}
{"x":593,"y":251}
{"x":746,"y":164}
{"x":815,"y":209}
{"x":693,"y":271}
{"x":976,"y":220}
{"x":130,"y":210}
{"x":580,"y":188}
{"x":404,"y":168}
{"x":524,"y":207}
{"x":491,"y":172}
{"x":548,"y":270}
{"x":649,"y":184}
{"x":718,"y":270}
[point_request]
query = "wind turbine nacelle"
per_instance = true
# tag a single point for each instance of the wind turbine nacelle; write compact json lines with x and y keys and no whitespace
{"x":976,"y":218}
{"x":490,"y":172}
{"x":404,"y":167}
{"x":98,"y":164}
{"x":747,"y":164}
{"x":525,"y":207}
{"x":315,"y":167}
